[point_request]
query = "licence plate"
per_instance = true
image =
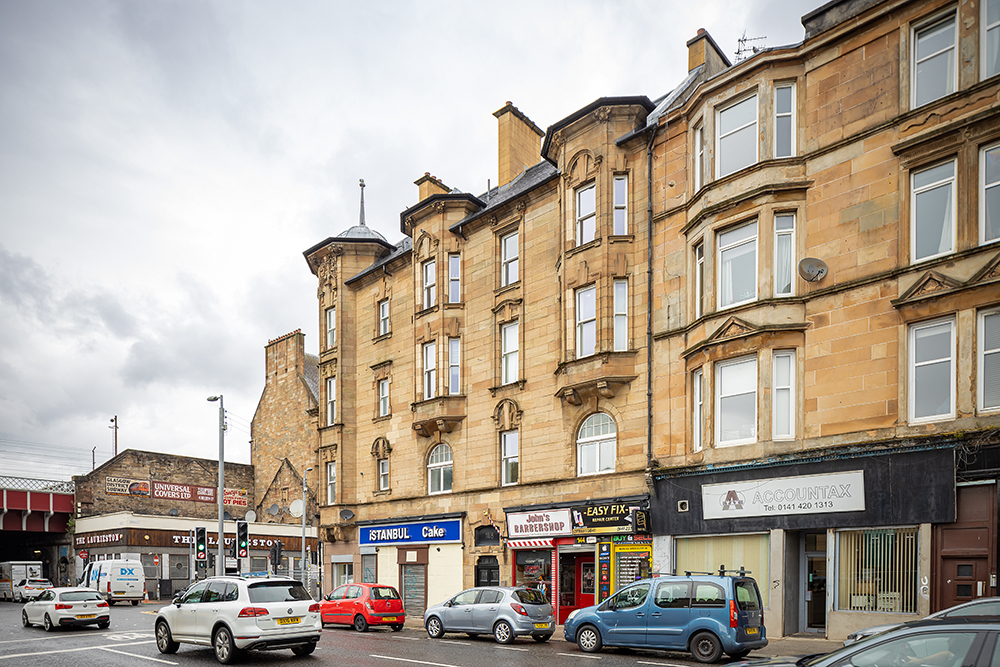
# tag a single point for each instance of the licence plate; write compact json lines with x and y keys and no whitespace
{"x":119,"y":592}
{"x":86,"y":615}
{"x":541,"y":626}
{"x":751,"y":631}
{"x":388,"y":618}
{"x":288,"y":621}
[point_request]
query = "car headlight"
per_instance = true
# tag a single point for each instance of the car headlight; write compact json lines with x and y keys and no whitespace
{"x":572,"y":614}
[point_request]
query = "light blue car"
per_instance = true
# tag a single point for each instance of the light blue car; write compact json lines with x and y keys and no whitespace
{"x":705,"y":615}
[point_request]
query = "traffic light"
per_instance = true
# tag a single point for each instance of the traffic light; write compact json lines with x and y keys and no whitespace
{"x":242,"y":539}
{"x":200,"y":544}
{"x":232,"y":549}
{"x":211,"y":561}
{"x":277,"y":550}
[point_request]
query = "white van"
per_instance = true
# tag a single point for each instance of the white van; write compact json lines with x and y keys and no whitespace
{"x":116,"y":580}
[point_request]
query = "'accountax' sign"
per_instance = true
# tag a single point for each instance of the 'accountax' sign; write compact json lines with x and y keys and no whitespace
{"x":424,"y":532}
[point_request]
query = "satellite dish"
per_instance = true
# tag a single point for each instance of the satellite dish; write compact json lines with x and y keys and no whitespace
{"x":172,"y":512}
{"x":251,"y":516}
{"x":346,"y":515}
{"x":273,"y":509}
{"x":812,"y":270}
{"x":227,"y":516}
{"x":295,"y":509}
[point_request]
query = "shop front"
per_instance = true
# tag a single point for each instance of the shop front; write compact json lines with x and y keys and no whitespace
{"x":834,"y":544}
{"x":421,"y":556}
{"x":580,"y":554}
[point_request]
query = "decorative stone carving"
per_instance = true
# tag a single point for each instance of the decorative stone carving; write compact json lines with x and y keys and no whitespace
{"x":381,"y":448}
{"x":602,"y":115}
{"x":507,"y":415}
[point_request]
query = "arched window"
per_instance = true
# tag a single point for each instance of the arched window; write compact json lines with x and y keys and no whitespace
{"x":439,"y":470}
{"x":595,"y":445}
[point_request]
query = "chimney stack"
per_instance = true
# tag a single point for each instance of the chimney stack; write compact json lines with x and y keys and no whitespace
{"x":702,"y":50}
{"x":520,"y":143}
{"x":430,"y":185}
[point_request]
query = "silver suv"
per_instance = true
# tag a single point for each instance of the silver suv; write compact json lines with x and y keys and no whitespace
{"x":501,"y":611}
{"x":236,"y":614}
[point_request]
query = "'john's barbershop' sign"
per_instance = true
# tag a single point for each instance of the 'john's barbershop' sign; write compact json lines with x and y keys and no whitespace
{"x":422,"y":532}
{"x":547,"y":523}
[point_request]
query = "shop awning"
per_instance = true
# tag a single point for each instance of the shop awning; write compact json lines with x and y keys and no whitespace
{"x":529,"y":544}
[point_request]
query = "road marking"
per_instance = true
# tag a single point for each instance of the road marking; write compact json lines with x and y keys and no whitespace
{"x":66,"y":650}
{"x":578,"y":655}
{"x":118,"y":637}
{"x":511,"y":648}
{"x":90,"y":633}
{"x":416,"y":662}
{"x":135,"y":655}
{"x":409,"y":639}
{"x":151,"y":613}
{"x":661,"y":664}
{"x":452,"y":641}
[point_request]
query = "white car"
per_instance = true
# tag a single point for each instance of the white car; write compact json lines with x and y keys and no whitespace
{"x":975,"y":609}
{"x":56,"y":607}
{"x":27,"y":589}
{"x":236,"y":614}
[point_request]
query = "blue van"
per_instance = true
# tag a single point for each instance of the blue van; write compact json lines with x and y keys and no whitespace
{"x":705,"y":615}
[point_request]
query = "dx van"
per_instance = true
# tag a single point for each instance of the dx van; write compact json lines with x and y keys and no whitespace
{"x":116,"y":580}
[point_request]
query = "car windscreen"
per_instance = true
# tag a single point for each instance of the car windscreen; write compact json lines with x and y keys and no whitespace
{"x":278,"y":591}
{"x":80,"y":596}
{"x":747,"y":597}
{"x":384,"y":593}
{"x":530,"y":596}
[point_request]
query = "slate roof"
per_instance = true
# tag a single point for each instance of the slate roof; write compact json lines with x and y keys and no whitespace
{"x":402,"y":248}
{"x":527,"y":180}
{"x":312,"y":375}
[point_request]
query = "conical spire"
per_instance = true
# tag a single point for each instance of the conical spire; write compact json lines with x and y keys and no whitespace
{"x":362,"y":202}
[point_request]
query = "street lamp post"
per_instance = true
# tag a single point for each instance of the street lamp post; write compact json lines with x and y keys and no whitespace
{"x":220,"y":563}
{"x":304,"y":506}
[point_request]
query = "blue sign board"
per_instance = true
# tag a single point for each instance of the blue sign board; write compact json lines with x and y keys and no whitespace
{"x":424,"y":532}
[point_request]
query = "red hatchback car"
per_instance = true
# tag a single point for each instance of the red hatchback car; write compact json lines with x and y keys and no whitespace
{"x":362,"y":605}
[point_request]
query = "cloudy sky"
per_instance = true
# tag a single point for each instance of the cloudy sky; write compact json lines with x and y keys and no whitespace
{"x":163,"y":164}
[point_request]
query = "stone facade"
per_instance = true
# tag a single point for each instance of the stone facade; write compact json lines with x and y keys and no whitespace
{"x":644,"y":278}
{"x":126,"y":484}
{"x":283,"y":431}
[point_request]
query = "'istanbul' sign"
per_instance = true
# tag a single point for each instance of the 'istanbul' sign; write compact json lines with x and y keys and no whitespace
{"x":449,"y":530}
{"x":806,"y":494}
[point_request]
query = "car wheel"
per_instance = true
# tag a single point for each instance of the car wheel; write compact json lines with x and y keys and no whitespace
{"x":24,"y":619}
{"x":360,"y":624}
{"x":104,"y":625}
{"x":396,"y":627}
{"x":434,"y":628}
{"x":47,"y":623}
{"x":164,"y":642}
{"x":541,"y":638}
{"x":706,"y":647}
{"x":225,"y":649}
{"x":503,"y":633}
{"x":305,"y":649}
{"x":19,"y":598}
{"x":589,"y":639}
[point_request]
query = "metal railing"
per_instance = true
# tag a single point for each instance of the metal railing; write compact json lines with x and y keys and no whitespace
{"x":28,"y":484}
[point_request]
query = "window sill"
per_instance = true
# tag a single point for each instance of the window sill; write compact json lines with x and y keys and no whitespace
{"x":426,"y":311}
{"x":507,"y":288}
{"x":736,"y":443}
{"x":382,"y":337}
{"x":594,"y":474}
{"x":519,"y":384}
{"x":621,"y":238}
{"x":454,"y":305}
{"x":382,"y":418}
{"x":383,"y":492}
{"x":438,"y":493}
{"x":586,"y":246}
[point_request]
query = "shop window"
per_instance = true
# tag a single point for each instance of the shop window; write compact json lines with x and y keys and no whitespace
{"x":989,"y":194}
{"x":990,"y":45}
{"x":439,"y":470}
{"x":932,"y":214}
{"x":934,"y":63}
{"x":586,"y":214}
{"x":738,"y":265}
{"x":989,"y":360}
{"x":737,"y":132}
{"x":620,"y":221}
{"x":343,"y":573}
{"x":331,"y":327}
{"x":533,"y":568}
{"x":595,"y":445}
{"x":784,"y":120}
{"x":749,"y":551}
{"x":586,"y":321}
{"x":877,"y":570}
{"x":784,"y":254}
{"x":932,"y":371}
{"x":509,"y":254}
{"x":736,"y":402}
